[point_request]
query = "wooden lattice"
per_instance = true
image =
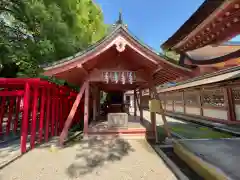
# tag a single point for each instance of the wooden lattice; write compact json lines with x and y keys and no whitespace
{"x":162,"y":98}
{"x":236,"y":95}
{"x":191,"y":98}
{"x":177,"y":98}
{"x":169,"y":98}
{"x":213,"y":97}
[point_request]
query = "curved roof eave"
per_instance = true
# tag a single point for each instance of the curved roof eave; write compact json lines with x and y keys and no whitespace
{"x":220,"y":59}
{"x":104,"y":39}
{"x":202,"y":13}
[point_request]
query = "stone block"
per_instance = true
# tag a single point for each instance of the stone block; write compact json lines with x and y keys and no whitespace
{"x":117,"y":120}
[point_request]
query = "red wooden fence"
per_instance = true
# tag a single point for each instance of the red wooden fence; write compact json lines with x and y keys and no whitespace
{"x":34,"y":109}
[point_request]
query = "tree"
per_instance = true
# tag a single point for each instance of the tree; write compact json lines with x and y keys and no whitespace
{"x":35,"y":32}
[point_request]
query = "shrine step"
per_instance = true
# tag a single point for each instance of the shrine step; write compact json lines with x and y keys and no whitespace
{"x":142,"y":135}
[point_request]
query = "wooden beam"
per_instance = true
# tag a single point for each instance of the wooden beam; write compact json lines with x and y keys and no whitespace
{"x":158,"y":69}
{"x":80,"y":66}
{"x":68,"y":122}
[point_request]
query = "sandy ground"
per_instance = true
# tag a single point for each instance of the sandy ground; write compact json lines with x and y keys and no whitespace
{"x":95,"y":158}
{"x":102,"y":158}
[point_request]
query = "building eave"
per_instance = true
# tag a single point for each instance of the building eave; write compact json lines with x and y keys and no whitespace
{"x":220,"y":59}
{"x":207,"y":8}
{"x":222,"y":75}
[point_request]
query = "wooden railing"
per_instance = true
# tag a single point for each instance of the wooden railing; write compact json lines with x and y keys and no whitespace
{"x":34,"y":109}
{"x":217,"y":102}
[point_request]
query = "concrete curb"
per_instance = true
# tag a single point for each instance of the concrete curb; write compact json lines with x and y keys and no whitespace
{"x":170,"y":164}
{"x":201,"y":167}
{"x":177,"y":135}
{"x":9,"y":161}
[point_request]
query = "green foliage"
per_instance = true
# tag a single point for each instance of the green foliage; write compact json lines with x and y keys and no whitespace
{"x":34,"y":32}
{"x":59,"y":82}
{"x":172,"y":55}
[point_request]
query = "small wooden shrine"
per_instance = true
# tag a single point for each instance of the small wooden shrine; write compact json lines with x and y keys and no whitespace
{"x":117,"y":63}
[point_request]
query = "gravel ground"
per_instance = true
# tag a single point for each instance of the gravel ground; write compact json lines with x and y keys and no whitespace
{"x":95,"y":158}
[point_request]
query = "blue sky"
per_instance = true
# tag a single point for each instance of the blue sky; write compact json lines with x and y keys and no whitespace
{"x":152,"y":21}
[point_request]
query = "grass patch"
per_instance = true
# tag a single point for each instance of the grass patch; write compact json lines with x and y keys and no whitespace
{"x":194,"y":132}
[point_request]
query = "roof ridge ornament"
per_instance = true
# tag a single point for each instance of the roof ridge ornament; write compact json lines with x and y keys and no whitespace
{"x":119,"y":21}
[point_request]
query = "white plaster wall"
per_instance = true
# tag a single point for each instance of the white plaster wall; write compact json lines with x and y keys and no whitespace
{"x":169,"y":107}
{"x":131,"y":101}
{"x":215,"y":113}
{"x":237,"y":112}
{"x":193,"y":110}
{"x":178,"y":108}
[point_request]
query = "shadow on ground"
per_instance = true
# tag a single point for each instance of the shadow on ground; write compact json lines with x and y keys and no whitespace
{"x":95,"y":152}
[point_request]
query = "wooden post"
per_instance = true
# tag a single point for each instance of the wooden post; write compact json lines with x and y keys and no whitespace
{"x":153,"y":118}
{"x":24,"y":128}
{"x":86,"y":109}
{"x":229,"y":104}
{"x":10,"y":113}
{"x":42,"y":114}
{"x":94,"y":103}
{"x":200,"y":94}
{"x":68,"y":122}
{"x":141,"y":105}
{"x":17,"y":114}
{"x":184,"y":107}
{"x":48,"y":114}
{"x":98,"y":102}
{"x":57,"y":113}
{"x":34,"y":117}
{"x":53,"y":112}
{"x":165,"y":125}
{"x":135,"y":102}
{"x":61,"y":113}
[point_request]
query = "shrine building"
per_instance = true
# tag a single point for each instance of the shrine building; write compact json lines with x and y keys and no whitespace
{"x":116,"y":64}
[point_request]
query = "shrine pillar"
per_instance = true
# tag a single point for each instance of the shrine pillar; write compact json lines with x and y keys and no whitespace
{"x":153,"y":116}
{"x":94,"y":103}
{"x":135,"y":102}
{"x":86,"y":108}
{"x":141,"y":105}
{"x":98,"y":101}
